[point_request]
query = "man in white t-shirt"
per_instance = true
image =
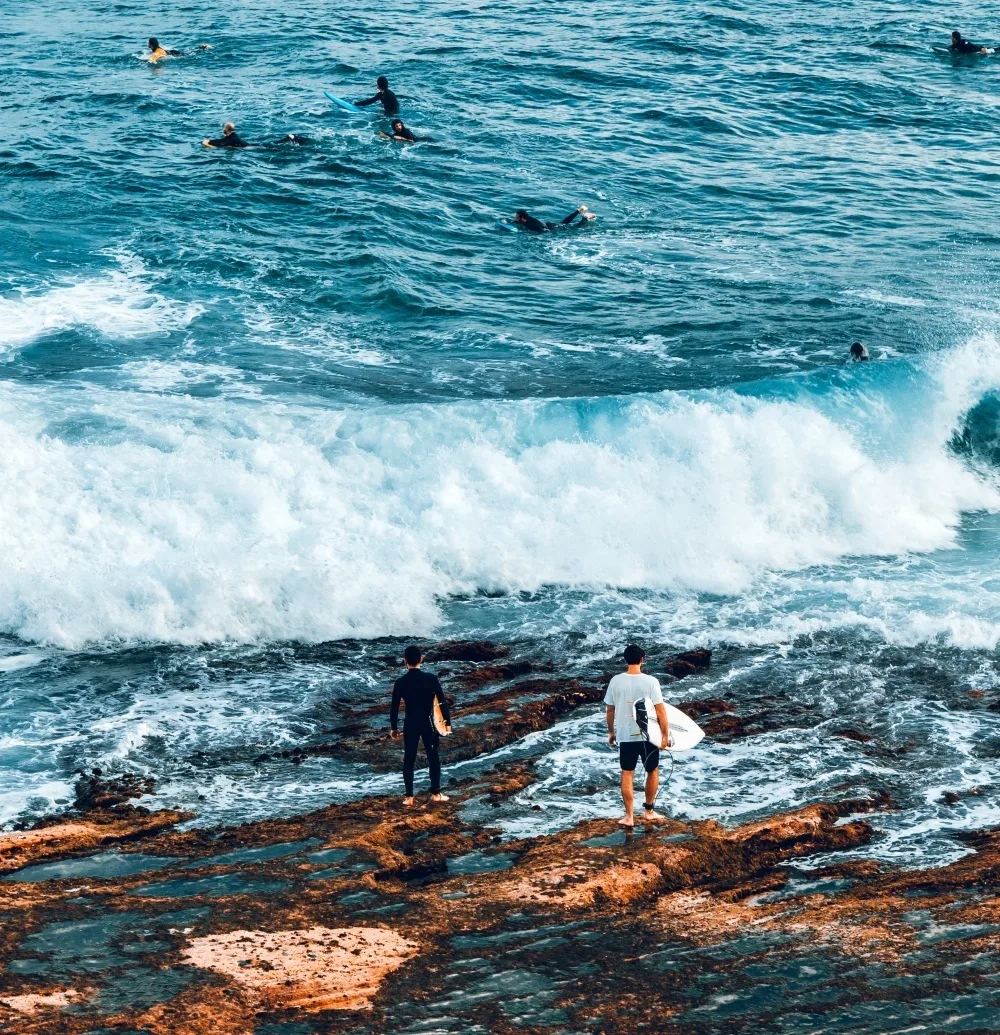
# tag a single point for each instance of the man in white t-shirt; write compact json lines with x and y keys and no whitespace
{"x":623,"y":691}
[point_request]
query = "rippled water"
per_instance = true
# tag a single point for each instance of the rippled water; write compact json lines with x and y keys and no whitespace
{"x":307,"y":392}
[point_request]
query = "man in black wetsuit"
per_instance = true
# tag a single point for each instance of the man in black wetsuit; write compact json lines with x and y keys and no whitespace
{"x":389,"y":103}
{"x":536,"y":226}
{"x":417,"y":690}
{"x":229,"y":138}
{"x":399,"y":132}
{"x":960,"y":45}
{"x":859,"y":354}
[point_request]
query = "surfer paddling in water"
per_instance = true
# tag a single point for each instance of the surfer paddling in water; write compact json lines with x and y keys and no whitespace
{"x":419,"y":692}
{"x":229,"y":138}
{"x":627,"y":692}
{"x":537,"y":226}
{"x":157,"y":53}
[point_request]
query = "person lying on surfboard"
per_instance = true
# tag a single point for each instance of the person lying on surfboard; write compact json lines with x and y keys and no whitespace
{"x":156,"y":52}
{"x":960,"y":45}
{"x":390,"y":104}
{"x":399,"y":132}
{"x":536,"y":226}
{"x":418,"y":691}
{"x":229,"y":138}
{"x":624,"y":691}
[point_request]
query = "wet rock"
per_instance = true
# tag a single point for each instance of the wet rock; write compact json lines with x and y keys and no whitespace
{"x":485,"y":675}
{"x":466,"y":650}
{"x":96,"y":791}
{"x":552,"y":932}
{"x":60,"y":838}
{"x":853,"y":734}
{"x":710,"y":706}
{"x":955,"y":797}
{"x":309,"y":969}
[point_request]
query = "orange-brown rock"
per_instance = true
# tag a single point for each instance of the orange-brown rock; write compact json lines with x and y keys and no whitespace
{"x":310,"y":969}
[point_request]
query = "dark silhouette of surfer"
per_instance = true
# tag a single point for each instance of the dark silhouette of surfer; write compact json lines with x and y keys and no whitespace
{"x":417,"y":691}
{"x":960,"y":45}
{"x":537,"y":226}
{"x":390,"y":103}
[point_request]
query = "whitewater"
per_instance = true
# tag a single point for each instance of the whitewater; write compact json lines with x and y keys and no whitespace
{"x":136,"y":516}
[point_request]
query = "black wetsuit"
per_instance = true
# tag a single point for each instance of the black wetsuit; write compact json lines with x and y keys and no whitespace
{"x":963,"y":46}
{"x":229,"y":140}
{"x":403,"y":134}
{"x":417,"y":690}
{"x":389,"y":103}
{"x":536,"y":226}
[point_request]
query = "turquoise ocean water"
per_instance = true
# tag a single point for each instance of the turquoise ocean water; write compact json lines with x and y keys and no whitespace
{"x":255,"y":401}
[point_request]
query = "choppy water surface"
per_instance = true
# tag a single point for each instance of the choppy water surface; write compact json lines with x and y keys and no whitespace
{"x":254,"y":401}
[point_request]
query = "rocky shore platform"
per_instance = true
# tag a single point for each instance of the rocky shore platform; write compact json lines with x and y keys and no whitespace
{"x":369,"y":918}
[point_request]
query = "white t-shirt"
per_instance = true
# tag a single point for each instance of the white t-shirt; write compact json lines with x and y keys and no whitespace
{"x":623,"y":691}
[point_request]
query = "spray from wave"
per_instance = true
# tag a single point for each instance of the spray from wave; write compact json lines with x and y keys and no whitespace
{"x":135,"y":517}
{"x":118,"y":304}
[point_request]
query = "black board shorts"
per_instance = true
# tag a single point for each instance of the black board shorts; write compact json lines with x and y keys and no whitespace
{"x":631,"y":751}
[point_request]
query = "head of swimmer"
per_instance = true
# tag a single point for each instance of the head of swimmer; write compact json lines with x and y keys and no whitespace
{"x":956,"y":37}
{"x":521,"y":216}
{"x":154,"y":44}
{"x":413,"y":656}
{"x":382,"y":83}
{"x":859,"y":353}
{"x":397,"y":125}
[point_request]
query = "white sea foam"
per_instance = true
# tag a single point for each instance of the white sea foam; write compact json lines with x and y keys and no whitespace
{"x":16,"y":662}
{"x":118,"y":304}
{"x":903,"y":301}
{"x":137,"y":517}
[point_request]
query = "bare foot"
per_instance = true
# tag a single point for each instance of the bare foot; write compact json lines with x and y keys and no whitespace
{"x":439,"y":797}
{"x":626,"y":821}
{"x":408,"y":802}
{"x":653,"y":817}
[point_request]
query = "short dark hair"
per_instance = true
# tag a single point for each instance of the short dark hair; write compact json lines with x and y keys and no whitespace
{"x":413,"y":655}
{"x":956,"y":35}
{"x":634,"y":654}
{"x":382,"y":83}
{"x":154,"y":43}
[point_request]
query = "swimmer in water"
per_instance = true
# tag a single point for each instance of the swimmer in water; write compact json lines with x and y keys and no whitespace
{"x":859,"y":354}
{"x":390,"y":105}
{"x":960,"y":45}
{"x":229,"y":138}
{"x":536,"y":226}
{"x":399,"y":132}
{"x":156,"y":52}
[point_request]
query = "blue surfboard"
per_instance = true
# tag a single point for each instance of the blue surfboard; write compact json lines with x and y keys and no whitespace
{"x":511,"y":228}
{"x":346,"y":105}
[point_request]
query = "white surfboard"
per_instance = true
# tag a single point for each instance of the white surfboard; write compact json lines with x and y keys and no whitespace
{"x":438,"y":719}
{"x":684,"y":732}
